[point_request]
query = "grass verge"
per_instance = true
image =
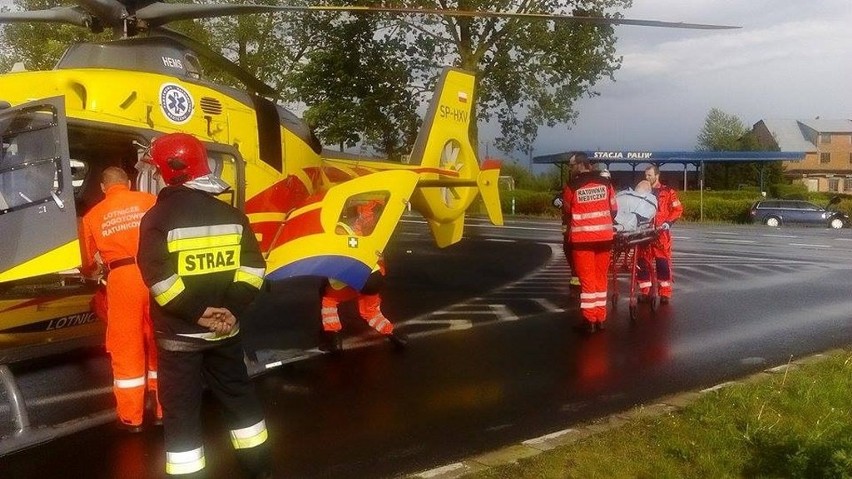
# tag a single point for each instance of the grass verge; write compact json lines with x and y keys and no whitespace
{"x":791,"y":424}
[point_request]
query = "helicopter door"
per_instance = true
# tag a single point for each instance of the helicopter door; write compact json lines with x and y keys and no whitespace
{"x":37,"y":215}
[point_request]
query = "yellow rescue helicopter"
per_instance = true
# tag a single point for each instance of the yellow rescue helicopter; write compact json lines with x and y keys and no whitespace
{"x":102,"y":105}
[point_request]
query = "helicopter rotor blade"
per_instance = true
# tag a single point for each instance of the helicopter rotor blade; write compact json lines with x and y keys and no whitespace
{"x":250,"y":81}
{"x":161,"y":13}
{"x":70,"y":15}
{"x":110,"y":12}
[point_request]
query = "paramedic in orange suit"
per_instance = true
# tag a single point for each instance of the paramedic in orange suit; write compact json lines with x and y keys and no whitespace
{"x":369,"y":299}
{"x":589,"y":201}
{"x":111,"y":229}
{"x":669,"y":210}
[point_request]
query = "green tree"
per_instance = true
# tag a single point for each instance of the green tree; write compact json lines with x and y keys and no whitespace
{"x":726,"y":132}
{"x":529,"y":73}
{"x":355,"y":85}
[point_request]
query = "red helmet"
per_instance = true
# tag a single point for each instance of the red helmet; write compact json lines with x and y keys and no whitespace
{"x":179,"y":157}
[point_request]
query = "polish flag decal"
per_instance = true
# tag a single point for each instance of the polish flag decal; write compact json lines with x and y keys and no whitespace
{"x":462,"y":97}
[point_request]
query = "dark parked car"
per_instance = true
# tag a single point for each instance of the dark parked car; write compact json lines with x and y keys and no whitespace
{"x":777,"y":212}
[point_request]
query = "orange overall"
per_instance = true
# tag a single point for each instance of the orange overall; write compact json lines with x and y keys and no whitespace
{"x":111,"y":228}
{"x":669,"y":210}
{"x":369,"y":300}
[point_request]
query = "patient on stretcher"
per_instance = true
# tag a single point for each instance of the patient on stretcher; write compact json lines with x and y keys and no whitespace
{"x":636,"y":208}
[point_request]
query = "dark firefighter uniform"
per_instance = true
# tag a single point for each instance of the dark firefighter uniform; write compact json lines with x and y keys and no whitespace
{"x":196,"y":251}
{"x":589,"y":202}
{"x":669,"y":210}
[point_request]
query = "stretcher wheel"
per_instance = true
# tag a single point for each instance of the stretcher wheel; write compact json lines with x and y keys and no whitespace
{"x":632,"y":312}
{"x":654,"y":301}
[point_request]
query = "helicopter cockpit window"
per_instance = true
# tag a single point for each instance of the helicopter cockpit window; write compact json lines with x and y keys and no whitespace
{"x":30,"y":168}
{"x":224,"y":165}
{"x":193,"y":66}
{"x":361,"y":213}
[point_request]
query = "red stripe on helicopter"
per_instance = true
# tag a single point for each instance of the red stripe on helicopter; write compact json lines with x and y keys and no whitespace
{"x":336,"y":175}
{"x":280,"y":197}
{"x":32,"y":302}
{"x":438,"y":171}
{"x":315,"y":175}
{"x":300,"y":226}
{"x":491,"y":164}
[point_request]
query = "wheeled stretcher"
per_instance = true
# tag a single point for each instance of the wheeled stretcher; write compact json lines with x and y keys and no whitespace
{"x":627,"y":247}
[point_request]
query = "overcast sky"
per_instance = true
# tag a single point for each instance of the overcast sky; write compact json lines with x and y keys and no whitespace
{"x":791,"y":59}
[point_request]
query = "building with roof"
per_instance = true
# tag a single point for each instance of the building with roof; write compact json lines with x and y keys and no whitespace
{"x":827,"y":163}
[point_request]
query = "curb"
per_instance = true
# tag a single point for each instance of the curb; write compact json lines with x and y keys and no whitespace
{"x":669,"y":404}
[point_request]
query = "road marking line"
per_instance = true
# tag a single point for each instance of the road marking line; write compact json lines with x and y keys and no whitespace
{"x":718,"y":386}
{"x":548,"y":305}
{"x":499,"y":240}
{"x":503,"y":312}
{"x":729,"y":233}
{"x":441,"y":470}
{"x":720,"y":240}
{"x":547,"y":437}
{"x":780,"y":236}
{"x":810,"y":245}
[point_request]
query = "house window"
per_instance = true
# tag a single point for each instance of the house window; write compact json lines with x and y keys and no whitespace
{"x":825,"y":157}
{"x":834,"y":184}
{"x":825,"y":137}
{"x":847,"y":184}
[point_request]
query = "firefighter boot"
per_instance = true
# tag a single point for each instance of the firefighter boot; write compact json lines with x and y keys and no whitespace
{"x":398,"y":340}
{"x":331,"y":342}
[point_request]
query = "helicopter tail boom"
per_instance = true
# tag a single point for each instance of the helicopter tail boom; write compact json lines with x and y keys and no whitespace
{"x":450,"y":174}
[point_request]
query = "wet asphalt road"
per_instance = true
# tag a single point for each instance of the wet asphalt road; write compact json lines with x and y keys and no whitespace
{"x":493,"y":358}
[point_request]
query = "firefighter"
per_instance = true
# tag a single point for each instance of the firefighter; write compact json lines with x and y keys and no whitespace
{"x":669,"y":210}
{"x":110,"y":235}
{"x":203,"y":266}
{"x":369,"y":297}
{"x":589,"y":201}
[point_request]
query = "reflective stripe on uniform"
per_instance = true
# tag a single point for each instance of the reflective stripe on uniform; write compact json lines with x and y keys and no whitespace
{"x":644,"y":284}
{"x":211,"y":336}
{"x":249,"y":437}
{"x":167,"y":289}
{"x":152,"y":374}
{"x":252,"y":276}
{"x":378,"y":322}
{"x":330,"y":316}
{"x":129,"y":383}
{"x":185,"y":462}
{"x":577,"y":229}
{"x":665,"y":284}
{"x":588,"y":216}
{"x":197,"y":237}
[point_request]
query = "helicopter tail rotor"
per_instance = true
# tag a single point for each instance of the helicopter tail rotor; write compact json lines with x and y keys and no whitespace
{"x":451,"y":176}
